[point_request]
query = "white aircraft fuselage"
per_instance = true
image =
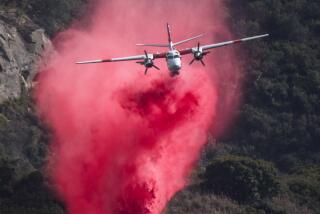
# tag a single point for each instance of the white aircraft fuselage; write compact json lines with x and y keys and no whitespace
{"x":173,"y":59}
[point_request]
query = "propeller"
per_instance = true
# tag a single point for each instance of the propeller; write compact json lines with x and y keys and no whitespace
{"x":148,"y":63}
{"x":198,"y":55}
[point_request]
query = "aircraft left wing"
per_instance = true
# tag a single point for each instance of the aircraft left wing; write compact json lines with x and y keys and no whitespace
{"x":129,"y":58}
{"x":221,"y":44}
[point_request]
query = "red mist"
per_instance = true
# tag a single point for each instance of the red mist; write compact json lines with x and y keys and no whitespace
{"x":124,"y":142}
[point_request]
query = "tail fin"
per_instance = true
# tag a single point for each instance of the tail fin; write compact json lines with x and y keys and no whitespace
{"x":170,"y":43}
{"x":169,"y":34}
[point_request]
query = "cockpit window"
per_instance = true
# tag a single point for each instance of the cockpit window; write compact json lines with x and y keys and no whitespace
{"x":173,"y":57}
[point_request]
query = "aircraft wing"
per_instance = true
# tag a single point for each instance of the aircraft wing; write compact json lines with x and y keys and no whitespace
{"x":221,"y":44}
{"x":129,"y":58}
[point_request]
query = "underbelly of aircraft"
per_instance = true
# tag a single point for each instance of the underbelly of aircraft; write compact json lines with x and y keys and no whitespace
{"x":174,"y":66}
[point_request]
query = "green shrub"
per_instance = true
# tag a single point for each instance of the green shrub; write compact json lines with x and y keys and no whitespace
{"x":305,"y":187}
{"x":193,"y":202}
{"x":285,"y":205}
{"x":241,"y":178}
{"x":29,"y":195}
{"x":6,"y":181}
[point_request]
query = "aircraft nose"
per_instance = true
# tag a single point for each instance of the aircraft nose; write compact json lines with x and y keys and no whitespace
{"x":175,"y":73}
{"x":176,"y":67}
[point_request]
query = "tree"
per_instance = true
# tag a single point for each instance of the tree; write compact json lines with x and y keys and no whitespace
{"x":6,"y":181}
{"x":241,"y":178}
{"x":281,"y":111}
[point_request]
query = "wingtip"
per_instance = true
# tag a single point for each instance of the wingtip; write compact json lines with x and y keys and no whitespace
{"x":81,"y":63}
{"x":91,"y":61}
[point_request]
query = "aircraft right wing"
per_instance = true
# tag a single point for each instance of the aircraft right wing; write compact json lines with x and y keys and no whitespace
{"x":221,"y":44}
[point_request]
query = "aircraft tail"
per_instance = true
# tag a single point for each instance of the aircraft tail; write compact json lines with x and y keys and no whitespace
{"x":170,"y":44}
{"x":169,"y":34}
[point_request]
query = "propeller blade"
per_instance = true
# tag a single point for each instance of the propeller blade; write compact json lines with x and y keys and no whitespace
{"x":202,"y":62}
{"x":145,"y":52}
{"x":192,"y":61}
{"x":141,"y":63}
{"x":146,"y":71}
{"x":156,"y":67}
{"x":198,"y":46}
{"x":205,"y":53}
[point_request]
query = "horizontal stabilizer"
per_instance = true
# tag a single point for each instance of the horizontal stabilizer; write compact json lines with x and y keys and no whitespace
{"x":154,"y":45}
{"x":187,"y":40}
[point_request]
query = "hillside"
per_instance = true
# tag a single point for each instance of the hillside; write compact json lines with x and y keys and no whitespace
{"x":270,"y":155}
{"x":23,"y":139}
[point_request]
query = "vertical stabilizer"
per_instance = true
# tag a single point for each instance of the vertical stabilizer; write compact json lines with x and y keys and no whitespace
{"x":169,"y":37}
{"x":170,"y":44}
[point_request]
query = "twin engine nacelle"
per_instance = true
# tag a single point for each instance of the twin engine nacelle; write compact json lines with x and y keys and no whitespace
{"x":148,"y":63}
{"x":198,"y":55}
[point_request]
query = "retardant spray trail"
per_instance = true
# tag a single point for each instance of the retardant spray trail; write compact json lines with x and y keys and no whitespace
{"x":124,"y":142}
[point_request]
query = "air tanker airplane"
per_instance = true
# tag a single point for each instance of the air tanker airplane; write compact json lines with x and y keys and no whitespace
{"x":173,"y":56}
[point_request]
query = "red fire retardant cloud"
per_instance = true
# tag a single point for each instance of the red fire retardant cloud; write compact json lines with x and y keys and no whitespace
{"x":124,"y":142}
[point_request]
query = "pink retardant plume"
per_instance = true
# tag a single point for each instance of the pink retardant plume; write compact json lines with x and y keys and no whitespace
{"x":124,"y":142}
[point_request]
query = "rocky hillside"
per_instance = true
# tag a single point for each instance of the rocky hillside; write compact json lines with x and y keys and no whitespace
{"x":23,"y":140}
{"x":21,"y":44}
{"x":25,"y":29}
